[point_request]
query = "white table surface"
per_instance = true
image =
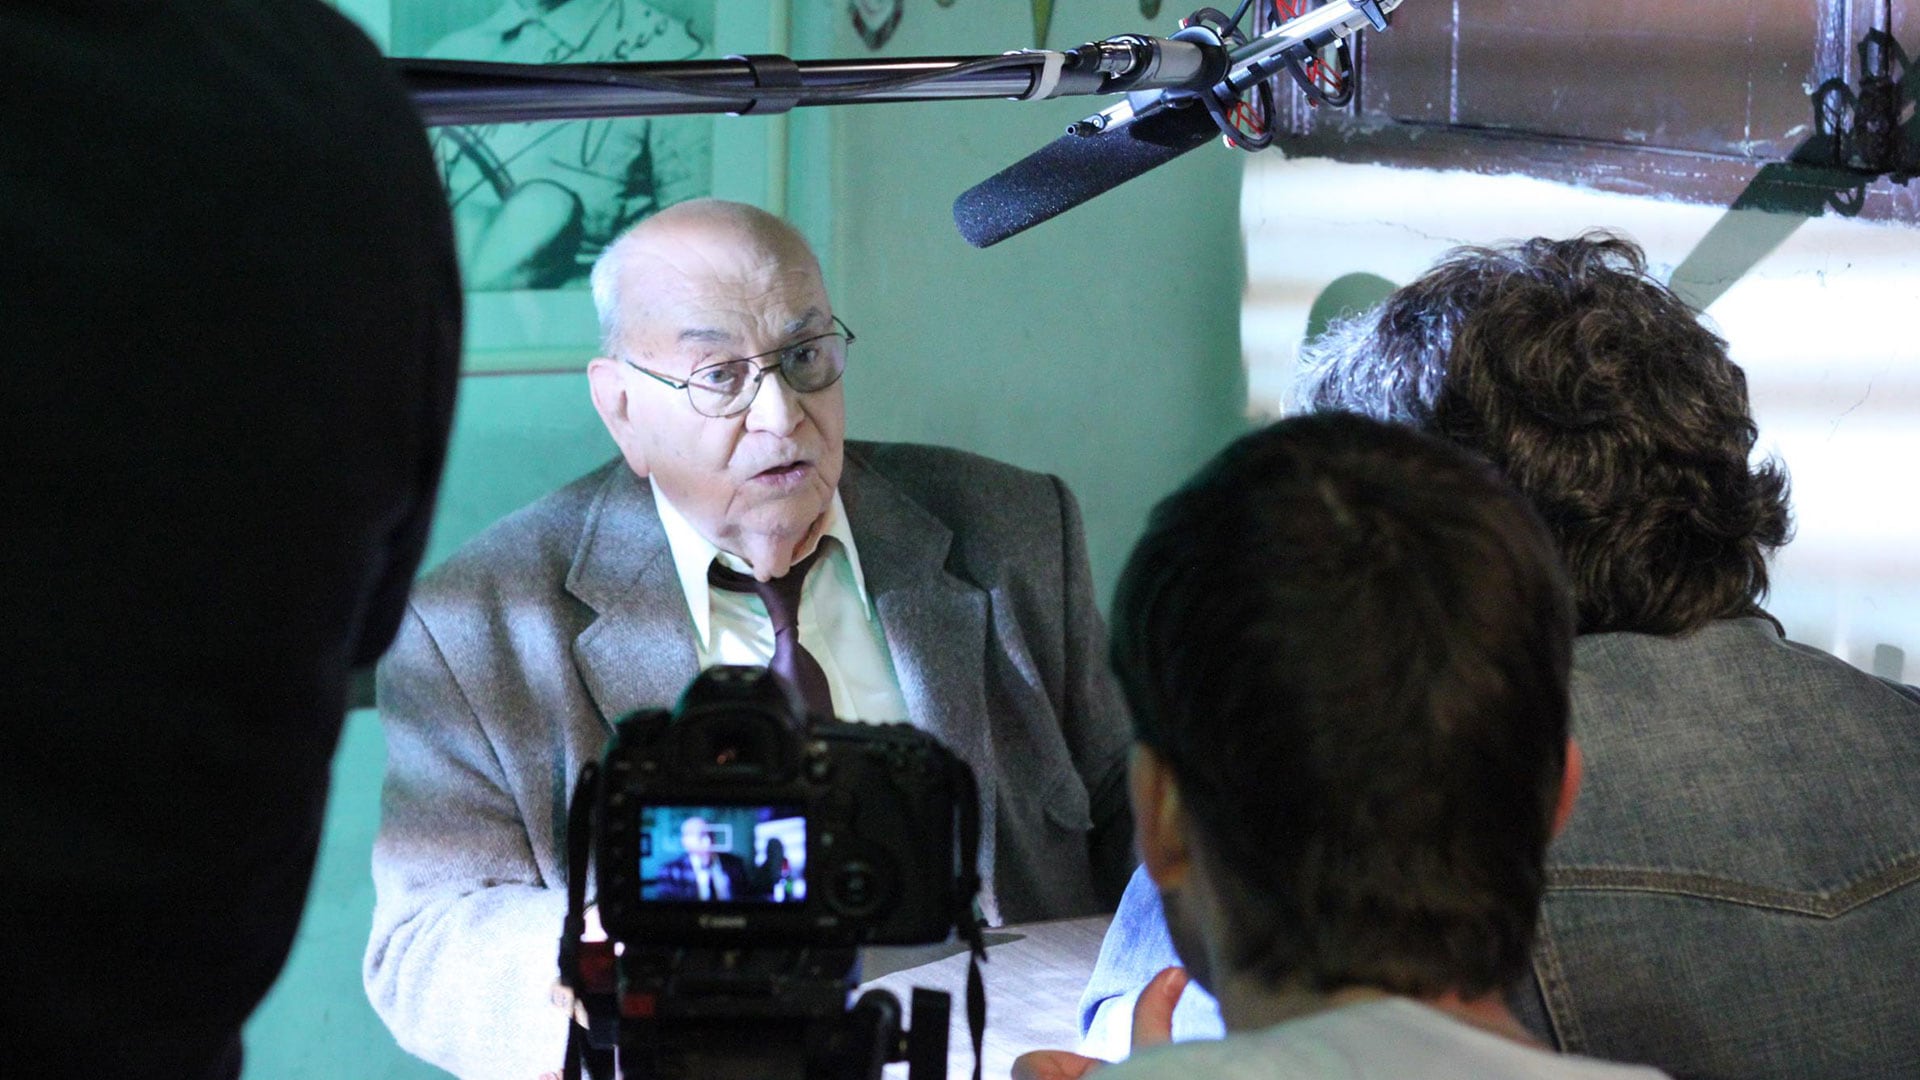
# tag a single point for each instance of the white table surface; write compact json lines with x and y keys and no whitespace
{"x":1034,"y":975}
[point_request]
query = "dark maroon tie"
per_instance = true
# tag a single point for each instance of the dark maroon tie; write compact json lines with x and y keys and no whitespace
{"x":791,"y":660}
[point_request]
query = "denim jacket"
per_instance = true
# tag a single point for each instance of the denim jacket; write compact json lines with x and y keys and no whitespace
{"x":1737,"y":894}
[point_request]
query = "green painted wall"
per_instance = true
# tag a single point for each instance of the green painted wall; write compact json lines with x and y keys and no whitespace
{"x":1103,"y":347}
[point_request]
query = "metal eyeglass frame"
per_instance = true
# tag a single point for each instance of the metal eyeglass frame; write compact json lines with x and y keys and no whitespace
{"x":759,"y":372}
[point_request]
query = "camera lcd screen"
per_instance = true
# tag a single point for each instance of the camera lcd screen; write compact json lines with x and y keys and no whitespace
{"x":723,"y":854}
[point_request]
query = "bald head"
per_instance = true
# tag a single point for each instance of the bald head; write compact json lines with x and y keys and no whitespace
{"x":698,"y":288}
{"x":651,"y":265}
{"x":694,"y":837}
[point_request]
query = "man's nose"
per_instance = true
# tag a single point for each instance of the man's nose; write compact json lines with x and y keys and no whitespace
{"x":776,"y":408}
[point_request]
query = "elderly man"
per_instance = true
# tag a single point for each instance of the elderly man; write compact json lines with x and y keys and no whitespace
{"x":702,"y":873}
{"x":1346,"y":649}
{"x":1739,"y":893}
{"x":930,"y":585}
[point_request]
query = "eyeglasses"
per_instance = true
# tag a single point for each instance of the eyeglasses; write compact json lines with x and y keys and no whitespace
{"x":729,"y":387}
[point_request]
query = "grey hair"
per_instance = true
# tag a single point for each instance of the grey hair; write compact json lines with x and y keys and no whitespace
{"x":1346,"y":368}
{"x":605,"y":281}
{"x":1603,"y":397}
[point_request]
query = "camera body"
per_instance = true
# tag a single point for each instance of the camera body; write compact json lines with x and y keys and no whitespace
{"x":729,"y":823}
{"x":743,"y":854}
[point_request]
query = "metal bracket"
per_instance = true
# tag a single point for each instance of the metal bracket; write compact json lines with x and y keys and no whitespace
{"x":778,"y":80}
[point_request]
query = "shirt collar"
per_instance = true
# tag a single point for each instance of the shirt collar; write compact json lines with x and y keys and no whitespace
{"x":693,"y":553}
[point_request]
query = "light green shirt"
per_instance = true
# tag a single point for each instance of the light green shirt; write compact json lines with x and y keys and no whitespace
{"x":837,"y":623}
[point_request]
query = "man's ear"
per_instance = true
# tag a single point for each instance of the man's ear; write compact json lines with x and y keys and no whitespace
{"x":1159,"y":818}
{"x":1576,"y":768}
{"x":607,"y":382}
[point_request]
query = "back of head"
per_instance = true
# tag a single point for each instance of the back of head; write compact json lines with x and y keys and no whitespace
{"x":1350,"y":643}
{"x":1600,"y":395}
{"x":233,"y":322}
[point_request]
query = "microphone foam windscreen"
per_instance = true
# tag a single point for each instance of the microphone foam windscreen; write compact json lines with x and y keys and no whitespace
{"x":1072,"y":169}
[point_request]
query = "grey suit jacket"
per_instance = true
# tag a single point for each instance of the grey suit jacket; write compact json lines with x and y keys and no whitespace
{"x":518,"y":654}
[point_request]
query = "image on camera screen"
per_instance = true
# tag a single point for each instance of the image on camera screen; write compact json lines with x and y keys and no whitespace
{"x":723,"y":854}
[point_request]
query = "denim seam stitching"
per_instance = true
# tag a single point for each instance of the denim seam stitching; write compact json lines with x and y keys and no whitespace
{"x":1562,"y":1013}
{"x":1826,"y":905}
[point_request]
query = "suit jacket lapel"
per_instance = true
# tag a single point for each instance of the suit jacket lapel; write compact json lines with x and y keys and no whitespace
{"x":935,"y":625}
{"x":640,"y":652}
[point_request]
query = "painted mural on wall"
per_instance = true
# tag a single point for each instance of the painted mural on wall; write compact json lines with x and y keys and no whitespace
{"x":534,"y":204}
{"x":876,"y":20}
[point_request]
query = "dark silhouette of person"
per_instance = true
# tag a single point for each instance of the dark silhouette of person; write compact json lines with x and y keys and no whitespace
{"x":771,"y":872}
{"x":232,"y":336}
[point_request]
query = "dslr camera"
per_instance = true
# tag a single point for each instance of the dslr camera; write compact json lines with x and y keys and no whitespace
{"x":742,"y":855}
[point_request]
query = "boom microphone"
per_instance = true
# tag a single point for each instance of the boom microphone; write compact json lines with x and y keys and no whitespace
{"x":1180,"y":91}
{"x":1149,"y":129}
{"x":1072,"y":169}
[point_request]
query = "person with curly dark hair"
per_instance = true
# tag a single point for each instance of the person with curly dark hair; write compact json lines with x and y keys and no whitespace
{"x":1738,"y":894}
{"x":1345,"y":647}
{"x":1599,"y":394}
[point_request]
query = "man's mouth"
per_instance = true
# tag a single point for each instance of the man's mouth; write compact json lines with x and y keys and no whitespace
{"x":787,"y":473}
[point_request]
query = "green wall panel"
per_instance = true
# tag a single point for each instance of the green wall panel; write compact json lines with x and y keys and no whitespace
{"x":515,"y":438}
{"x":316,"y":1024}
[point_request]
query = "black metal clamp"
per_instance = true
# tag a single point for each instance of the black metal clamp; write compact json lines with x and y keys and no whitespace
{"x":777,"y":78}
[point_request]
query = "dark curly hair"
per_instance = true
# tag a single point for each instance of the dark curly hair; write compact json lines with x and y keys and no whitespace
{"x":1351,"y":644}
{"x":1600,"y":395}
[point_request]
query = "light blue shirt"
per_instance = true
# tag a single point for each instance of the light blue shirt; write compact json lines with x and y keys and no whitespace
{"x":1388,"y":1039}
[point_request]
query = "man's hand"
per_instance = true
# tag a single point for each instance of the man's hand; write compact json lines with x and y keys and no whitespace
{"x":1152,"y":1025}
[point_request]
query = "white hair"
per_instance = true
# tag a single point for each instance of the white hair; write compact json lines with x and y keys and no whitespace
{"x":605,"y":281}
